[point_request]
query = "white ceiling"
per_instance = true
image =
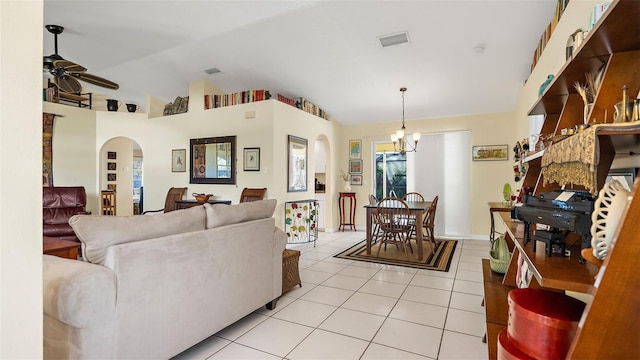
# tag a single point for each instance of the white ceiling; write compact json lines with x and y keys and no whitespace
{"x":325,"y":51}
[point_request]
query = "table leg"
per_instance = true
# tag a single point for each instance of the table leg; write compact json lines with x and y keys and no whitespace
{"x":369,"y":228}
{"x":419,"y":218}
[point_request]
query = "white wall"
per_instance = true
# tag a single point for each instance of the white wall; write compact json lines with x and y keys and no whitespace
{"x":20,"y":180}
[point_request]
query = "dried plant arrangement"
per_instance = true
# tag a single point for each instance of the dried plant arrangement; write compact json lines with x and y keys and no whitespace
{"x":588,"y":90}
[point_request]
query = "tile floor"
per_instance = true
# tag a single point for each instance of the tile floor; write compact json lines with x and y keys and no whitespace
{"x":355,"y":310}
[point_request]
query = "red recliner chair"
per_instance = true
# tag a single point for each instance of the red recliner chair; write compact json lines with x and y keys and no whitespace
{"x":58,"y":205}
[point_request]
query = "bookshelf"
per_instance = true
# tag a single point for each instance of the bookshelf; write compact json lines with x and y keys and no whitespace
{"x":243,"y":97}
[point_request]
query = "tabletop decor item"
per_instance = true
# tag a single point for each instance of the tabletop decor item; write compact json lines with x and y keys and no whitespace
{"x":607,"y":212}
{"x":202,"y":198}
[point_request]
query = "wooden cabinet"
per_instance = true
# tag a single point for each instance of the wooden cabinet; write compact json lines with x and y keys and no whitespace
{"x":609,"y":324}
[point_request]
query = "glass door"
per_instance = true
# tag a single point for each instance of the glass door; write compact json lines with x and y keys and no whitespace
{"x":391,"y":172}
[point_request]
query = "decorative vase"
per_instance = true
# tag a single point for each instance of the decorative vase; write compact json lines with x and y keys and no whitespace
{"x":347,"y":186}
{"x":587,"y":112}
{"x":112,"y":105}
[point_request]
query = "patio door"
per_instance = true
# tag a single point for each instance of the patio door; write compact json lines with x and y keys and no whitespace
{"x":391,"y":171}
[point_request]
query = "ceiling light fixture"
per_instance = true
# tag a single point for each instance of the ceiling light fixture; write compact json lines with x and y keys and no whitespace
{"x":399,"y":138}
{"x":394,"y":39}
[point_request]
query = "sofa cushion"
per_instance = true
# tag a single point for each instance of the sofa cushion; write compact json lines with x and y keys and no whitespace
{"x":220,"y":214}
{"x":97,"y":233}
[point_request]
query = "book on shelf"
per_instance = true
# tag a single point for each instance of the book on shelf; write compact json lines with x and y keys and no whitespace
{"x":286,"y":100}
{"x":243,"y":97}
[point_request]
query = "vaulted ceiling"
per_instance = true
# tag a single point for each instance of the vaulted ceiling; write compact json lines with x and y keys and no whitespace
{"x":463,"y":57}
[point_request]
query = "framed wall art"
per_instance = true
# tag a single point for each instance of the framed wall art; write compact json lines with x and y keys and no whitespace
{"x":355,"y":149}
{"x":111,"y":166}
{"x":297,"y":164}
{"x":179,"y":160}
{"x":356,"y":180}
{"x":251,"y":159}
{"x":355,"y":167}
{"x":111,"y":155}
{"x":111,"y":177}
{"x":490,"y":152}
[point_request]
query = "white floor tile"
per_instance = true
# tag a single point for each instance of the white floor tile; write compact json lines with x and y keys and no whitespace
{"x":327,"y":345}
{"x":239,"y":352}
{"x":451,"y":274}
{"x":313,"y":277}
{"x":383,"y":288}
{"x":353,"y":323}
{"x":427,"y":295}
{"x":432,"y":282}
{"x":424,"y":314}
{"x":393,"y":276}
{"x":373,"y":304}
{"x":338,"y":261}
{"x":470,"y":266}
{"x":345,"y":282}
{"x":402,"y":269}
{"x":369,"y":265}
{"x":457,"y":346}
{"x":275,"y":336}
{"x":282,"y":303}
{"x":328,"y":267}
{"x":469,"y":287}
{"x":203,"y":349}
{"x":381,"y":352}
{"x":298,"y":291}
{"x":328,"y":295}
{"x":411,"y":337}
{"x":469,"y":275}
{"x":305,"y":312}
{"x":478,"y":253}
{"x":466,"y":322}
{"x":305,"y":263}
{"x":473,"y":259}
{"x":359,"y":271}
{"x":241,"y":326}
{"x":467,"y":302}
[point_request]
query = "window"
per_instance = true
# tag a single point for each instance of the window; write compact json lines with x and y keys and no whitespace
{"x":136,"y":170}
{"x":391,"y":172}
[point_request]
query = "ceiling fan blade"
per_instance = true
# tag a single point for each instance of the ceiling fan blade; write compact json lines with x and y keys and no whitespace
{"x":67,"y":84}
{"x":96,"y":80}
{"x":69,"y":66}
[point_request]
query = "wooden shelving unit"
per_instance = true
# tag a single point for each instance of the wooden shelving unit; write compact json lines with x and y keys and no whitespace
{"x":609,"y":324}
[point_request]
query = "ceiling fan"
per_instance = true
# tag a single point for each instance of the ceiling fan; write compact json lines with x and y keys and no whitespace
{"x":67,"y":73}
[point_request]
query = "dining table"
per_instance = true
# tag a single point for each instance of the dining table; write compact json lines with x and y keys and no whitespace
{"x":416,"y":208}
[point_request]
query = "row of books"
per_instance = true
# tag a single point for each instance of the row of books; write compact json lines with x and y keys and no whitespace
{"x":243,"y":97}
{"x":305,"y":105}
{"x":561,"y":5}
{"x":49,"y":94}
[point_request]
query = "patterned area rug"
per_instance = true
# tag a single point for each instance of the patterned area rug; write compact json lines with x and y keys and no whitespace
{"x":440,"y":261}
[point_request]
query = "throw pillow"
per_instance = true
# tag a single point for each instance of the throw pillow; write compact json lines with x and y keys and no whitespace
{"x":220,"y":214}
{"x":97,"y":233}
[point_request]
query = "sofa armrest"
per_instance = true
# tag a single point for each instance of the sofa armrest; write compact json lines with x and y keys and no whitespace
{"x":78,"y":293}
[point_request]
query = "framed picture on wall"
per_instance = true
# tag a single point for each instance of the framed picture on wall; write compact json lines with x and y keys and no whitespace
{"x":179,"y":160}
{"x":112,"y":187}
{"x":111,"y":155}
{"x":490,"y":152}
{"x":297,"y":164}
{"x":251,"y":159}
{"x":111,"y":166}
{"x":356,"y":180}
{"x":111,"y":177}
{"x":355,"y":167}
{"x":355,"y":149}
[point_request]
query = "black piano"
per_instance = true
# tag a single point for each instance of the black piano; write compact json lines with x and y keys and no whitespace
{"x":551,"y":208}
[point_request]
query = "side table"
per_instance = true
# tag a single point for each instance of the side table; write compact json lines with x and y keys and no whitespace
{"x":62,"y":248}
{"x":351,"y":221}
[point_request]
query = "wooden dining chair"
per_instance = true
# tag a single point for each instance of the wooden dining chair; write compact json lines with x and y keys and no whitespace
{"x":252,"y":194}
{"x":375,"y":229}
{"x":428,"y":224}
{"x":413,"y":196}
{"x":174,"y":194}
{"x":391,"y":217}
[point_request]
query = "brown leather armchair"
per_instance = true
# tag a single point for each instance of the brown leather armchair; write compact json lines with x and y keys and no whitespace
{"x":58,"y":205}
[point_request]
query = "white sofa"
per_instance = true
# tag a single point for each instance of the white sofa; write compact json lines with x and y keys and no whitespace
{"x":152,"y":286}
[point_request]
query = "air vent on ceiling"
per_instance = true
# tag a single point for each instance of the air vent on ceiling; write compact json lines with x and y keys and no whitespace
{"x":394,"y":39}
{"x":213,"y":71}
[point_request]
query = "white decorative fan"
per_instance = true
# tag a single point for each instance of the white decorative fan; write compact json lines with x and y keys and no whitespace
{"x":607,"y":212}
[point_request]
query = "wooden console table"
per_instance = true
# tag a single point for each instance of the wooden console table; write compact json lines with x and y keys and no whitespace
{"x":185,"y":204}
{"x":61,"y":248}
{"x":351,"y":221}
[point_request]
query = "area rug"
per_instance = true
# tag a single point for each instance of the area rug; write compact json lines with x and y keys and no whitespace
{"x":440,"y":261}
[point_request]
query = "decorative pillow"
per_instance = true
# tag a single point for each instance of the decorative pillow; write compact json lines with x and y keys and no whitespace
{"x":97,"y":233}
{"x":220,"y":214}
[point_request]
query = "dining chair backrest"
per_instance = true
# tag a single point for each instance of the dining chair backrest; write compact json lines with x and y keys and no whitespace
{"x":413,"y":196}
{"x":392,"y":214}
{"x":430,"y":217}
{"x":373,"y":199}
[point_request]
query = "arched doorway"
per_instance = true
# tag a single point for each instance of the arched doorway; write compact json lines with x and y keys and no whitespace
{"x":120,"y":176}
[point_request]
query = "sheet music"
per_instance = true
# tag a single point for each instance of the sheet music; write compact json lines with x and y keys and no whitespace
{"x":565,"y":196}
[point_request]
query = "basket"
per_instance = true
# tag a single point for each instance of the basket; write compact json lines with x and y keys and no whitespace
{"x":499,"y":256}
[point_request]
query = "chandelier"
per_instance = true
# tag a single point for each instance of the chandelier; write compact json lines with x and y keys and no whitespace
{"x":400,"y":143}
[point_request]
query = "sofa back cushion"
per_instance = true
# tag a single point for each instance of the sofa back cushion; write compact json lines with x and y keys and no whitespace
{"x":97,"y":233}
{"x":220,"y":214}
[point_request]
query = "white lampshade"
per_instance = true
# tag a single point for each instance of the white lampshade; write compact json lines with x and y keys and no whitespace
{"x":416,"y":136}
{"x":400,"y":133}
{"x":394,"y":138}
